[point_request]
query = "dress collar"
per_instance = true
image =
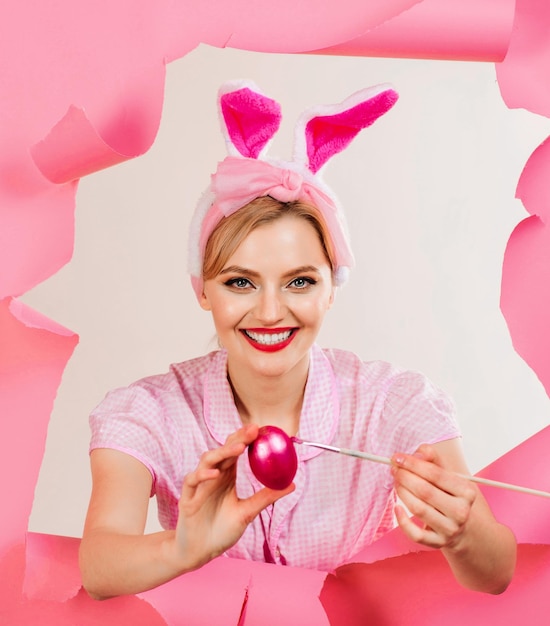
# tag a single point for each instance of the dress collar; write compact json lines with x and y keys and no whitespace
{"x":320,"y":410}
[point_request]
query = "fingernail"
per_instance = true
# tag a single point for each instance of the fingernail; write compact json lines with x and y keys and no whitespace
{"x":398,"y":459}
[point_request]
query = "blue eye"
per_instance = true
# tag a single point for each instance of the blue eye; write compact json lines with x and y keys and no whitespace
{"x":302,"y":282}
{"x":238,"y":283}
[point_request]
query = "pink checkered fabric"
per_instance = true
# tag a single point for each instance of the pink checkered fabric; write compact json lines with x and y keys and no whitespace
{"x":340,"y":504}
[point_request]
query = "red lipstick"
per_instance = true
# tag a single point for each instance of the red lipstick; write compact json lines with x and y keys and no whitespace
{"x":268,"y":347}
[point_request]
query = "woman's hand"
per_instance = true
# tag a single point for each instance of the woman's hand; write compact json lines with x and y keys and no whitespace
{"x":439,"y":499}
{"x":451,"y":513}
{"x":211,"y":516}
{"x":116,"y":558}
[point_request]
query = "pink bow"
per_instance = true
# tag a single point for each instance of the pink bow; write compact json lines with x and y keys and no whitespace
{"x":238,"y":181}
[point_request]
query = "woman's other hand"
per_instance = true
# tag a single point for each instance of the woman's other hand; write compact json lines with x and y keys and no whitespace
{"x":451,"y":513}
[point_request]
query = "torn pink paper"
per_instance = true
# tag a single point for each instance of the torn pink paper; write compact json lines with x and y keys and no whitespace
{"x":74,"y":148}
{"x":68,"y":54}
{"x":51,"y":571}
{"x":81,"y":610}
{"x":245,"y":590}
{"x":525,"y":295}
{"x":213,"y":594}
{"x":36,"y":236}
{"x":470,"y":30}
{"x":523,"y":76}
{"x":33,"y":354}
{"x":284,"y":595}
{"x":526,"y":465}
{"x":292,"y":26}
{"x":419,"y":590}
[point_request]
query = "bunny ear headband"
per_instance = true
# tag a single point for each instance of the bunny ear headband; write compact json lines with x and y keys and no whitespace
{"x":249,"y":122}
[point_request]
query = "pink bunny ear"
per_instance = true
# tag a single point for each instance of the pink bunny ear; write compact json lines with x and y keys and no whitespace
{"x":324,"y":131}
{"x":251,"y":119}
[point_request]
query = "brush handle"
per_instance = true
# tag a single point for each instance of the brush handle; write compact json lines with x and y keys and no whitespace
{"x":387,"y":461}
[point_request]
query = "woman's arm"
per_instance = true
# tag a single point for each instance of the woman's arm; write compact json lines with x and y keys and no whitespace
{"x":116,"y":558}
{"x":456,"y":517}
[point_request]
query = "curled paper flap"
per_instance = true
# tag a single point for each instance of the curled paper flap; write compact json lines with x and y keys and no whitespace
{"x":74,"y":148}
{"x":471,"y":30}
{"x":523,"y":75}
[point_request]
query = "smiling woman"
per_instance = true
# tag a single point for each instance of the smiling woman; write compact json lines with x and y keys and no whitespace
{"x":430,"y":204}
{"x":182,"y":435}
{"x":272,"y":295}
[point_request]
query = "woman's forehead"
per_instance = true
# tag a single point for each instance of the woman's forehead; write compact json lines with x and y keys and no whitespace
{"x":288,"y":240}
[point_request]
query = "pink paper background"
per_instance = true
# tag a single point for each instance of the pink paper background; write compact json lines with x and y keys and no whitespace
{"x":81,"y":92}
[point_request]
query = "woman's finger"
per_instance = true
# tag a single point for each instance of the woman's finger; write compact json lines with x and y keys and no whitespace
{"x":447,"y":520}
{"x":416,"y":474}
{"x":246,"y":435}
{"x":421,"y":534}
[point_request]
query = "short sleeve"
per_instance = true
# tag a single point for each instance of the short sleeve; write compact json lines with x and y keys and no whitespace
{"x":415,"y":412}
{"x":128,"y":420}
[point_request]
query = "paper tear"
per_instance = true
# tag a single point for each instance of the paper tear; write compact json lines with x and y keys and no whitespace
{"x":242,"y":616}
{"x":225,"y":579}
{"x":470,"y":30}
{"x":32,"y":360}
{"x":420,"y":590}
{"x":51,"y":571}
{"x":525,"y":293}
{"x":34,"y":319}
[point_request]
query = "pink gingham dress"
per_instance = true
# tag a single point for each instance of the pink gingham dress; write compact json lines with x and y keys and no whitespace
{"x":341,"y":504}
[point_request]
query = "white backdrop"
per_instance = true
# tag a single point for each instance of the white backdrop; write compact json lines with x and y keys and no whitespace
{"x":429,"y":194}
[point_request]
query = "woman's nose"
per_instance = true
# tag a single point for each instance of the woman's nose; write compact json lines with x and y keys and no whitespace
{"x":271,"y":307}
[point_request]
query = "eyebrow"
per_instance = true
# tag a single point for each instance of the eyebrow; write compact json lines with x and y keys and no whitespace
{"x":237,"y":269}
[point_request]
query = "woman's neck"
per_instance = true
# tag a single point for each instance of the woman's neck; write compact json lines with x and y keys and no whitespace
{"x":270,"y":401}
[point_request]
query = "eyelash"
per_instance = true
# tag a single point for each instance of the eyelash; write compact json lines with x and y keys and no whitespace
{"x":234,"y":282}
{"x":308,"y":282}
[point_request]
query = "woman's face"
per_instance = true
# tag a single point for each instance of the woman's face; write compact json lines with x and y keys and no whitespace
{"x":270,"y":299}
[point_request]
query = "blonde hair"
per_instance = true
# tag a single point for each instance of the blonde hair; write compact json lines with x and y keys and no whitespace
{"x":232,"y":231}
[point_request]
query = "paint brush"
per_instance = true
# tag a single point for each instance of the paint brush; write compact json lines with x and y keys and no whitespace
{"x":387,"y":461}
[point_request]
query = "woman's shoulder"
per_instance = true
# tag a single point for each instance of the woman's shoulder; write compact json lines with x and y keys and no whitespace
{"x":181,"y":374}
{"x":182,"y":379}
{"x":348,"y":365}
{"x":394,"y":381}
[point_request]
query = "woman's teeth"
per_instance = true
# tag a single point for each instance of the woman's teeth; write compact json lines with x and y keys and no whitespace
{"x":268,"y":339}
